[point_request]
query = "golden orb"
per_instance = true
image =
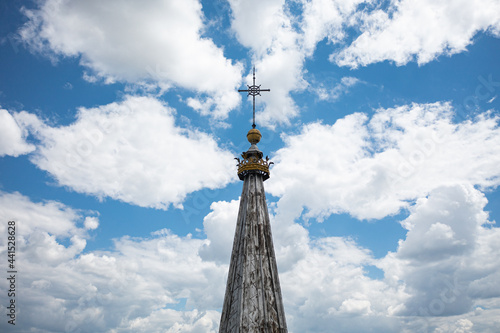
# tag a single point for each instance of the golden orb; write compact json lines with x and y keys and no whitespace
{"x":253,"y":136}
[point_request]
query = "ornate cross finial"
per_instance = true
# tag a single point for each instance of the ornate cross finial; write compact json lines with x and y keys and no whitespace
{"x":253,"y":91}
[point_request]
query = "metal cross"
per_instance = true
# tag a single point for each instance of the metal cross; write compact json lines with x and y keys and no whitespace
{"x":253,"y":91}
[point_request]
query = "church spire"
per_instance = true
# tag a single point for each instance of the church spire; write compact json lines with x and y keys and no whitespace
{"x":253,"y":301}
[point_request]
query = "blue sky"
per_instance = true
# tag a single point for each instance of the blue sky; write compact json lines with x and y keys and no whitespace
{"x":119,"y":122}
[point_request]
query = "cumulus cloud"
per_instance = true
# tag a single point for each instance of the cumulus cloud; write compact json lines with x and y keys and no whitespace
{"x":130,"y":151}
{"x":161,"y":283}
{"x":271,"y":18}
{"x":12,"y":137}
{"x":431,"y":283}
{"x":193,"y":321}
{"x":326,"y":19}
{"x":442,"y":261}
{"x":281,"y":71}
{"x":51,"y":216}
{"x":156,"y":42}
{"x":421,"y":30}
{"x":402,"y":32}
{"x":163,"y":44}
{"x":325,"y":283}
{"x":91,"y":222}
{"x":371,"y":168}
{"x":280,"y":43}
{"x":219,"y":226}
{"x":283,"y":40}
{"x":135,"y":287}
{"x":331,"y":94}
{"x":277,"y":53}
{"x":328,"y":287}
{"x":164,"y":282}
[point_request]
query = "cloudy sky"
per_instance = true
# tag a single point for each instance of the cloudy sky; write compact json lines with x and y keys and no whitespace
{"x":120,"y":121}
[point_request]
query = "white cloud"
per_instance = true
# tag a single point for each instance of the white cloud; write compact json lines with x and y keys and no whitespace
{"x":372,"y":168}
{"x":91,"y":222}
{"x":50,"y":217}
{"x":12,"y":137}
{"x":355,"y":306}
{"x":141,"y":284}
{"x":419,"y":29}
{"x":441,"y":288}
{"x":177,"y":322}
{"x":163,"y":282}
{"x":256,"y":23}
{"x":280,"y":42}
{"x":326,"y":19}
{"x":283,"y":39}
{"x":329,"y":288}
{"x":133,"y":288}
{"x":278,"y":57}
{"x":445,"y":268}
{"x":130,"y":151}
{"x":281,"y":71}
{"x":334,"y":93}
{"x":219,"y":225}
{"x":157,"y":41}
{"x":161,"y":43}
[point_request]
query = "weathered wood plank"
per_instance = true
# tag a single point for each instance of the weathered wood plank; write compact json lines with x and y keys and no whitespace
{"x":253,"y":301}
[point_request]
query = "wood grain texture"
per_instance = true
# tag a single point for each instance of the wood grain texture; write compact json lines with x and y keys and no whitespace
{"x":253,"y":301}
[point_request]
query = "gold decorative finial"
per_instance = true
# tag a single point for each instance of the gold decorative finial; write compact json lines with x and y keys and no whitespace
{"x":252,"y":160}
{"x":253,"y":136}
{"x":253,"y":163}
